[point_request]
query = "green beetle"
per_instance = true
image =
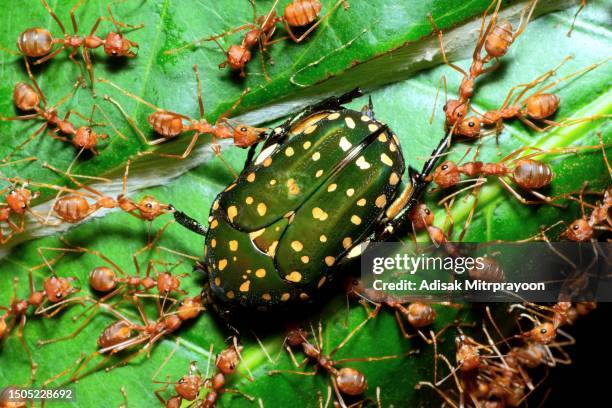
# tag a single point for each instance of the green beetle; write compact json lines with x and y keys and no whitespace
{"x":326,"y":181}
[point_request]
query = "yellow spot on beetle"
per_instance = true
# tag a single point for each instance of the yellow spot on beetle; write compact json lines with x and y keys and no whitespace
{"x":333,"y":116}
{"x":294,"y":276}
{"x":362,"y":163}
{"x":381,"y":201}
{"x":373,"y":128}
{"x":382,"y":138}
{"x":272,"y":249}
{"x":251,"y":177}
{"x":285,"y":297}
{"x":230,"y":294}
{"x":365,"y":118}
{"x":355,"y":220}
{"x":289,"y":152}
{"x":273,"y":182}
{"x":350,"y":122}
{"x":214,"y":224}
{"x":260,"y":273}
{"x":316,"y":156}
{"x":233,"y":245}
{"x":261,"y":209}
{"x":303,"y":296}
{"x":319,"y":173}
{"x":215,"y":205}
{"x":267,"y":162}
{"x":213,"y":243}
{"x":350,"y":192}
{"x":256,"y":234}
{"x":310,"y":129}
{"x":230,"y":187}
{"x":217,"y":281}
{"x":294,"y":189}
{"x":297,"y":246}
{"x":386,"y":159}
{"x":245,"y":286}
{"x":232,"y":211}
{"x":392,"y":147}
{"x":345,"y":144}
{"x":305,"y":259}
{"x":332,"y":187}
{"x":393,"y":179}
{"x":249,"y":200}
{"x":307,"y":145}
{"x":222,"y":264}
{"x":347,"y":242}
{"x":266,"y":297}
{"x":323,"y":238}
{"x":319,"y":214}
{"x":329,"y":260}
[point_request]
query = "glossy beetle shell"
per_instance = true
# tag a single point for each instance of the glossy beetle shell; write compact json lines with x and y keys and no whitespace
{"x":277,"y":232}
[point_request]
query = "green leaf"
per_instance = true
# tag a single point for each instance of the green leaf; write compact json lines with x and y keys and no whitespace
{"x":405,"y":106}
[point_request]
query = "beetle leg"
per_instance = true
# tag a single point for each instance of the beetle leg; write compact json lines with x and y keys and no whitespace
{"x":188,"y":222}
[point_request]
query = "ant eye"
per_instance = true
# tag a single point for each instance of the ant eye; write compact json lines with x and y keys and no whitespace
{"x":471,"y":124}
{"x":427,"y":211}
{"x":149,"y":205}
{"x":59,"y":295}
{"x":543,"y":331}
{"x":445,"y":167}
{"x":243,"y":129}
{"x":23,"y":206}
{"x":575,"y":227}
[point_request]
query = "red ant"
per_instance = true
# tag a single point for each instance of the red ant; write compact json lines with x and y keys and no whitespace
{"x":418,"y":314}
{"x":527,"y":173}
{"x":75,"y":207}
{"x":119,"y":335}
{"x":583,"y":229}
{"x":170,"y":125}
{"x":538,"y":106}
{"x":39,"y":42}
{"x":582,"y":5}
{"x":56,"y":291}
{"x":17,"y":203}
{"x":496,"y":40}
{"x":346,"y":380}
{"x":28,"y":99}
{"x":298,"y":14}
{"x":189,"y":386}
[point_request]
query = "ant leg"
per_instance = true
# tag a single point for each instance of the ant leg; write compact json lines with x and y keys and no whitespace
{"x":572,"y":75}
{"x":34,"y":81}
{"x":69,"y":95}
{"x":228,"y":112}
{"x":72,"y":18}
{"x":483,"y":33}
{"x":132,"y":123}
{"x":88,"y":66}
{"x":199,"y":88}
{"x":49,"y":56}
{"x":523,"y":25}
{"x":183,"y":156}
{"x":441,"y":81}
{"x":10,"y":51}
{"x":33,"y":365}
{"x":582,"y":5}
{"x":440,"y":35}
{"x":522,"y":200}
{"x":130,"y":95}
{"x":438,"y":390}
{"x":349,"y":336}
{"x":214,"y":38}
{"x":119,"y":24}
{"x":24,"y":143}
{"x":314,"y":26}
{"x":54,"y":16}
{"x":530,"y":85}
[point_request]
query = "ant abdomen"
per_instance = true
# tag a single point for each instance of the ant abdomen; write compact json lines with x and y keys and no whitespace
{"x":35,"y":42}
{"x":300,"y":13}
{"x":500,"y":39}
{"x":532,"y":174}
{"x":71,"y":208}
{"x":102,"y":279}
{"x":491,"y":271}
{"x":542,"y":106}
{"x":114,"y":334}
{"x":167,"y":124}
{"x":351,"y":381}
{"x":25,"y":97}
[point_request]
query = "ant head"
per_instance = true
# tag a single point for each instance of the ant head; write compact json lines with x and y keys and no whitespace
{"x":455,"y":111}
{"x":116,"y":45}
{"x":351,"y":381}
{"x":102,"y":279}
{"x":420,"y":314}
{"x":18,"y":199}
{"x":468,"y":127}
{"x":190,"y":308}
{"x":85,"y":138}
{"x":167,"y":283}
{"x":353,"y":287}
{"x":296,"y":335}
{"x":57,"y":289}
{"x":188,"y":386}
{"x":227,"y":360}
{"x":245,"y":136}
{"x":421,"y":217}
{"x":238,"y":56}
{"x":467,"y":354}
{"x":579,"y":231}
{"x":25,"y":97}
{"x":544,"y":333}
{"x":446,"y":175}
{"x":150,"y":208}
{"x":115,"y":333}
